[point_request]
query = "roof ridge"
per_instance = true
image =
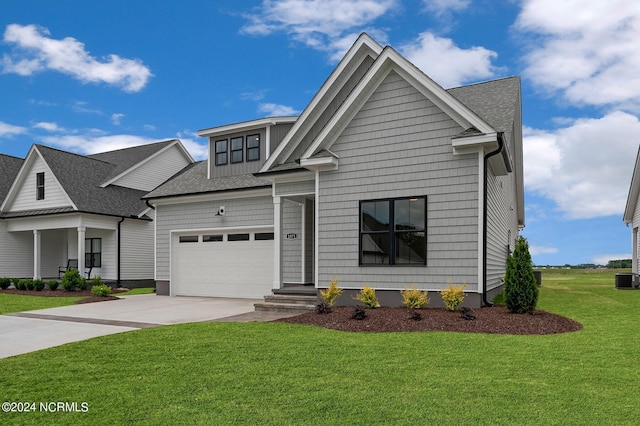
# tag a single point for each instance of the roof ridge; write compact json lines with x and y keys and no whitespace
{"x":484,"y":82}
{"x":11,"y":156}
{"x":87,"y":157}
{"x":133,"y":147}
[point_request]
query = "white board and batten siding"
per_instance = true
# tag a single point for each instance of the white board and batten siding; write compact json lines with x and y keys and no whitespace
{"x":399,"y":145}
{"x":54,"y":195}
{"x":150,"y":174}
{"x":16,"y":252}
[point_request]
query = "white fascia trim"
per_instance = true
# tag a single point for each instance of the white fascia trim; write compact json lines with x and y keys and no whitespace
{"x":320,"y":164}
{"x":246,"y":126}
{"x":213,"y":196}
{"x":390,"y":60}
{"x":634,"y":190}
{"x":364,"y":46}
{"x":248,"y":228}
{"x":135,"y":166}
{"x":298,"y":176}
{"x":465,"y":145}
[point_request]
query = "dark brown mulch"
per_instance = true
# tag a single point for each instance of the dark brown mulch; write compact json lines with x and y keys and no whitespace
{"x":493,"y":320}
{"x":90,"y":298}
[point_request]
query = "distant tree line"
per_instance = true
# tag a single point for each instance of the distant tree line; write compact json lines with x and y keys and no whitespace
{"x":622,"y":263}
{"x":612,"y":264}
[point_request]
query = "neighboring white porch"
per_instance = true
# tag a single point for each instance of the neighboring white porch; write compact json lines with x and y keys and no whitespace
{"x":56,"y":239}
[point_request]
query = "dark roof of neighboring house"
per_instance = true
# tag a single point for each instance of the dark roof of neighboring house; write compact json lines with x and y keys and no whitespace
{"x":193,"y":180}
{"x":494,"y":101}
{"x":81,"y":178}
{"x":9,"y":167}
{"x":124,"y":159}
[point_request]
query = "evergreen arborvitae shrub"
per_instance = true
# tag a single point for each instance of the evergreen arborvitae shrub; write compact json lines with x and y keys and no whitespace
{"x":520,"y":287}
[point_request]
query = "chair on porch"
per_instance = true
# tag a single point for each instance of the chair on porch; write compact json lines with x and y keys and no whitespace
{"x":71,"y":264}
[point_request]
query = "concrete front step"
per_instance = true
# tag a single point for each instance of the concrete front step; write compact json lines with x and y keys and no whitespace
{"x":290,"y":299}
{"x":283,"y":307}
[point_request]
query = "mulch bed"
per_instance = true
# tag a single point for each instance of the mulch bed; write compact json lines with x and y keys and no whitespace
{"x":492,"y":320}
{"x":90,"y":298}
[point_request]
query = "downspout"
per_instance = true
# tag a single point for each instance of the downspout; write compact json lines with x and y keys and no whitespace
{"x":119,"y":248}
{"x":485,"y":302}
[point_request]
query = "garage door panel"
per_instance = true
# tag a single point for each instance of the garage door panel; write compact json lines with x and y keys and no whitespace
{"x":222,"y":268}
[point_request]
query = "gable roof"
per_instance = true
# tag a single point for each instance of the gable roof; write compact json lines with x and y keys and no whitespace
{"x":193,"y":180}
{"x":127,"y":159}
{"x":82,"y":179}
{"x":9,"y":168}
{"x":634,"y":193}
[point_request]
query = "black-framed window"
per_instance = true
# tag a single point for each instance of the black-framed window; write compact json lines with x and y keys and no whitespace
{"x":253,"y":147}
{"x":211,"y":238}
{"x":40,"y":186}
{"x":238,"y":237}
{"x":188,"y":239}
{"x":393,"y":231}
{"x":237,"y":149}
{"x":93,"y":252}
{"x":222,"y":150}
{"x":263,"y":236}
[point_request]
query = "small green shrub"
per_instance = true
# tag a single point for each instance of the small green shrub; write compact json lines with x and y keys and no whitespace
{"x":368,"y":296}
{"x":414,"y":298}
{"x":97,"y":280}
{"x":20,"y":284}
{"x":452,"y":296}
{"x":72,"y":280}
{"x":53,"y":285}
{"x":29,"y":284}
{"x":331,"y":293}
{"x":5,"y":283}
{"x":38,"y":285}
{"x":101,"y":290}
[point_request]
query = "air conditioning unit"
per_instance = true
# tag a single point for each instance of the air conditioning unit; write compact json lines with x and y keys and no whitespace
{"x":624,"y":281}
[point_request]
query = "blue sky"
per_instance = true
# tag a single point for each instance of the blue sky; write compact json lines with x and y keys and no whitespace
{"x":90,"y":76}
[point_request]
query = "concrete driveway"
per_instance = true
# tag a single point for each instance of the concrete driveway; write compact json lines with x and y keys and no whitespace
{"x":25,"y":332}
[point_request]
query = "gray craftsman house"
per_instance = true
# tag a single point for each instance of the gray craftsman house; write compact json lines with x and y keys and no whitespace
{"x":59,"y":210}
{"x":386,"y":179}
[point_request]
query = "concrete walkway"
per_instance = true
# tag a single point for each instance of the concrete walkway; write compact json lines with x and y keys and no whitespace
{"x":25,"y":332}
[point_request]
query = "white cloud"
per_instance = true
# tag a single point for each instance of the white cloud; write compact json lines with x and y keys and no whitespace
{"x":538,"y":250}
{"x":199,"y":151}
{"x":35,"y":52}
{"x":321,"y":24}
{"x":275,"y":110}
{"x":448,"y":64}
{"x":48,"y":126}
{"x":442,"y":7}
{"x":603,"y":259}
{"x":116,"y":119}
{"x":587,"y":50}
{"x":584,"y":168}
{"x":10,"y":130}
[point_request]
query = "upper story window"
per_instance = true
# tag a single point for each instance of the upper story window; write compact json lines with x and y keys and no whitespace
{"x":221,"y":152}
{"x":237,"y":149}
{"x":253,"y":147}
{"x":393,"y":231}
{"x":40,"y":186}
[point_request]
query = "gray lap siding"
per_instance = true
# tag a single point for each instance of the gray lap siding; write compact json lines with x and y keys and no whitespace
{"x":257,"y":211}
{"x":399,"y":145}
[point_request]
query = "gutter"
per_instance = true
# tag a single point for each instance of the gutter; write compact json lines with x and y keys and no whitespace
{"x":500,"y":138}
{"x":119,"y":249}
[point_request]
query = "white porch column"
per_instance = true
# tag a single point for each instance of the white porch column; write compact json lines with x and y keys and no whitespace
{"x":37,"y":249}
{"x":277,"y":242}
{"x":81,"y":234}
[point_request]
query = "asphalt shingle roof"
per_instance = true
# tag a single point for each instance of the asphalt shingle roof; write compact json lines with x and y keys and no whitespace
{"x":124,"y":159}
{"x":9,"y":167}
{"x":193,"y":180}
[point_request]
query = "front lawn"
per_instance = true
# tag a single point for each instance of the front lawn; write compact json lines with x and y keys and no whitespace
{"x":280,"y":374}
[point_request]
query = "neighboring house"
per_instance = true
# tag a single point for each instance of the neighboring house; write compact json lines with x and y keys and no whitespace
{"x":632,"y":215}
{"x":57,"y":206}
{"x":385,"y":179}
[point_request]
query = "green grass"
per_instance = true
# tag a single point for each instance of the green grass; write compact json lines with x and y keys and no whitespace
{"x":281,"y":374}
{"x":144,"y":290}
{"x":10,"y":303}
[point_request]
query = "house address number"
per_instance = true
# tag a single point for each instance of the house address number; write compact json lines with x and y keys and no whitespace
{"x":292,"y":236}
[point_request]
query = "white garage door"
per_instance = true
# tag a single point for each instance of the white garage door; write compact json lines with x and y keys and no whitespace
{"x":215,"y":264}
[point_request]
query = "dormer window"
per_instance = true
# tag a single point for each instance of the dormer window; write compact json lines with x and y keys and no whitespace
{"x":237,"y":149}
{"x":253,"y":147}
{"x":221,"y":152}
{"x":40,"y":186}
